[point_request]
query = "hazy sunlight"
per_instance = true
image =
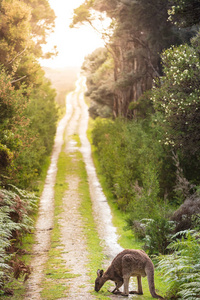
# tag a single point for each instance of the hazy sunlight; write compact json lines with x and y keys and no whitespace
{"x":72,"y":44}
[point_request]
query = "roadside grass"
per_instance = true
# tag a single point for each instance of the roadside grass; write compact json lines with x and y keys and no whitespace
{"x":43,"y":175}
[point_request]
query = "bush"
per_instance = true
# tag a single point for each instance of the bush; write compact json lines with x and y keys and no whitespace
{"x":134,"y":163}
{"x":158,"y":234}
{"x":28,"y":119}
{"x":176,"y":98}
{"x":5,"y":157}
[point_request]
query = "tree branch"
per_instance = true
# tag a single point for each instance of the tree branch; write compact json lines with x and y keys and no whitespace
{"x":129,"y":2}
{"x":18,"y":54}
{"x":13,"y":81}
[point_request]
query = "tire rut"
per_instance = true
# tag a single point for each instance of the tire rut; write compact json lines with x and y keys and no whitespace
{"x":44,"y":225}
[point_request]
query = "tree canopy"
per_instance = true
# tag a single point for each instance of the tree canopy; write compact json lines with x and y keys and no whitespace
{"x":135,"y":41}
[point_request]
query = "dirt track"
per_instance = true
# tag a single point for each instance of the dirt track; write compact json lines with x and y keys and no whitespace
{"x":75,"y":122}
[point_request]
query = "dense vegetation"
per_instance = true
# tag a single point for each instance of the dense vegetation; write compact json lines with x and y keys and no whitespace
{"x":146,"y":83}
{"x":16,"y":206}
{"x":28,"y":116}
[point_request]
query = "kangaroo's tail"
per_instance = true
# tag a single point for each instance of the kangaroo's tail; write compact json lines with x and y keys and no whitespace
{"x":150,"y":276}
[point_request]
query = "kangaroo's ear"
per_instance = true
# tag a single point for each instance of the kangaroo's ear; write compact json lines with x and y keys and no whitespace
{"x":100,"y":273}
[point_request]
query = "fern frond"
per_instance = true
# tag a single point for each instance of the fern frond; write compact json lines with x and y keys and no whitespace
{"x":15,"y":207}
{"x":182,"y":268}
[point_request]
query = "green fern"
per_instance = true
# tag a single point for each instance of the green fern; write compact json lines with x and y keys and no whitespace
{"x":15,"y":208}
{"x":6,"y":228}
{"x":181,"y":269}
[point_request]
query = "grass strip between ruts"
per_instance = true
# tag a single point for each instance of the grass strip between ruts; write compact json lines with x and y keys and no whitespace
{"x":54,"y":284}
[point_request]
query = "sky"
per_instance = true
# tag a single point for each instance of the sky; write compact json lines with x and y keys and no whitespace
{"x":72,"y":44}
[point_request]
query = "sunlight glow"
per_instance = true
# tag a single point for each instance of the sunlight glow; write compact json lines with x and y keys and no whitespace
{"x":72,"y":44}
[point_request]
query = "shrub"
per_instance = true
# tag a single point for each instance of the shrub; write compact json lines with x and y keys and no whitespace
{"x":158,"y":234}
{"x":134,"y":164}
{"x":176,"y":98}
{"x":5,"y":156}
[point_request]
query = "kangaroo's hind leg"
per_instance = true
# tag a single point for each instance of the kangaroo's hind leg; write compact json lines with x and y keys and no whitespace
{"x":140,"y":291}
{"x":126,"y":286}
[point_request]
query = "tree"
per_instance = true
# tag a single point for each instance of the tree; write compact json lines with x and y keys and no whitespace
{"x":23,"y":28}
{"x":14,"y":31}
{"x":28,"y":116}
{"x":135,"y":44}
{"x":99,"y":66}
{"x":42,"y":22}
{"x":176,"y":99}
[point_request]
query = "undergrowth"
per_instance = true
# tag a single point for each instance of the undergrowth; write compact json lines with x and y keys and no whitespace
{"x":15,"y":287}
{"x":181,"y":268}
{"x":16,"y":206}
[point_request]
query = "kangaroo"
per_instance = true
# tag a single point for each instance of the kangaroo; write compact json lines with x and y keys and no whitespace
{"x":126,"y":264}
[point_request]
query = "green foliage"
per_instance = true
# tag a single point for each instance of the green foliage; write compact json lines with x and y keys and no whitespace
{"x":98,"y":67}
{"x":42,"y":21}
{"x":15,"y":31}
{"x":176,"y":101}
{"x":5,"y":157}
{"x":181,"y":268}
{"x":184,"y":13}
{"x":39,"y":138}
{"x":12,"y":102}
{"x":131,"y":160}
{"x":15,"y":208}
{"x":81,"y":14}
{"x":27,"y":110}
{"x":138,"y":32}
{"x":158,"y":233}
{"x":27,"y":129}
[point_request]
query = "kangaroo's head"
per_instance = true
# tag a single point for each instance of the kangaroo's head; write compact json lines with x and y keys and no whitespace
{"x":99,"y":282}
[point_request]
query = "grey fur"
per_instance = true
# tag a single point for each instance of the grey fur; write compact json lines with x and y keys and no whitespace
{"x":126,"y":264}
